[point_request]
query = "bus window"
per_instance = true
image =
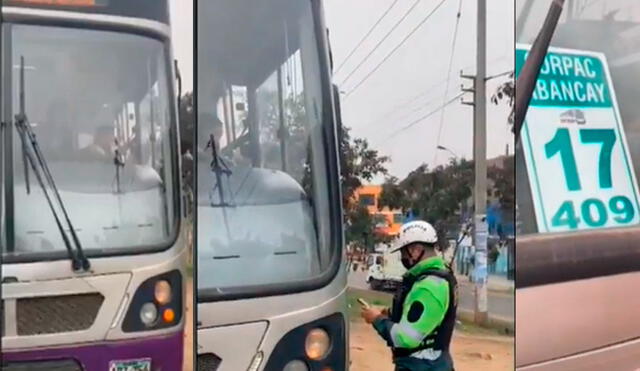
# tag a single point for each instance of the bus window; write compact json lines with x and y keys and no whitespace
{"x":398,"y":218}
{"x":578,"y":159}
{"x":84,"y":91}
{"x":263,"y":189}
{"x":367,"y":200}
{"x":595,"y":47}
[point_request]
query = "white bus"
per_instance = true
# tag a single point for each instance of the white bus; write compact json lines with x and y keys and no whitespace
{"x":271,"y":285}
{"x":93,"y":266}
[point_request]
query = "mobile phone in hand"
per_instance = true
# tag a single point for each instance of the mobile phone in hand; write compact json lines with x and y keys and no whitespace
{"x":363,"y":303}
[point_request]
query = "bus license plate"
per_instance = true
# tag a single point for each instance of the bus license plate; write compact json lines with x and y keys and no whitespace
{"x":131,"y":365}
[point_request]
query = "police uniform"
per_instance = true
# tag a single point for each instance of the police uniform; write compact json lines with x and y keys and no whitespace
{"x":422,"y":318}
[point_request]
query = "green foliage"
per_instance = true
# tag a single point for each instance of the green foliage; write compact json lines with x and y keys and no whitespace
{"x":506,"y":92}
{"x":433,"y":195}
{"x":358,"y":164}
{"x":186,"y":114}
{"x":503,"y":184}
{"x":359,"y":227}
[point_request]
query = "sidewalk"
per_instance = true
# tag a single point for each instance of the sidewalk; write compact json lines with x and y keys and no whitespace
{"x":495,"y":283}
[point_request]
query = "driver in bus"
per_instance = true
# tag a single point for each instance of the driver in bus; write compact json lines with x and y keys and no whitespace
{"x":419,"y":326}
{"x":103,"y":146}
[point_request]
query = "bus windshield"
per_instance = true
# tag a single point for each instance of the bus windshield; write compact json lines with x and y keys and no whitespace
{"x":579,"y":157}
{"x":99,"y":103}
{"x":263,"y":201}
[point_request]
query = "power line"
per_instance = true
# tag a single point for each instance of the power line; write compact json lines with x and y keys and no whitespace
{"x":446,"y":89}
{"x":418,"y":120}
{"x":409,"y":102}
{"x":424,"y":20}
{"x":412,"y":99}
{"x":499,"y":75}
{"x":404,"y":16}
{"x":365,"y":36}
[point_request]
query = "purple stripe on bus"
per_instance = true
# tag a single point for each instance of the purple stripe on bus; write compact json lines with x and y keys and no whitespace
{"x":165,"y":353}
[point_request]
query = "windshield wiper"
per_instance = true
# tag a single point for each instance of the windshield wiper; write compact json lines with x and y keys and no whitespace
{"x":526,"y":81}
{"x":79,"y":262}
{"x":118,"y":162}
{"x":216,"y":167}
{"x":219,"y":167}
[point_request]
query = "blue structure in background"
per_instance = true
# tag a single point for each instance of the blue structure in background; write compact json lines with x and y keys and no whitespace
{"x":409,"y":217}
{"x":498,"y":225}
{"x":500,"y":229}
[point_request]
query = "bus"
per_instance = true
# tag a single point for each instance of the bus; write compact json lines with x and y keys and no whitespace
{"x":93,"y":262}
{"x":271,"y":277}
{"x":578,"y":259}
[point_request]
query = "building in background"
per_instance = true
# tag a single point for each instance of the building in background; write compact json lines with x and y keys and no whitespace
{"x":387,"y":221}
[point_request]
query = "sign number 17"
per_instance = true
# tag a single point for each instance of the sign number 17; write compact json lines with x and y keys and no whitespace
{"x":561,"y":144}
{"x":619,"y":205}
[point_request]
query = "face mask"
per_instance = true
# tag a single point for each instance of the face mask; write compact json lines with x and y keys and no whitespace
{"x":406,"y":262}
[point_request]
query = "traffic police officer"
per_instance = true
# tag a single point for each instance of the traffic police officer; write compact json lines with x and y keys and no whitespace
{"x":419,"y":326}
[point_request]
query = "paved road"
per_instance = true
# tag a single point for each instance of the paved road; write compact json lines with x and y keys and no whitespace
{"x":500,"y":304}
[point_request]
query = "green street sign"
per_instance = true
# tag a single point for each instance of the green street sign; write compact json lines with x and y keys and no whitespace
{"x":580,"y":171}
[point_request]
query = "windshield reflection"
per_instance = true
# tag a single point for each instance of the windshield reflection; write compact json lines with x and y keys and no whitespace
{"x":99,"y":104}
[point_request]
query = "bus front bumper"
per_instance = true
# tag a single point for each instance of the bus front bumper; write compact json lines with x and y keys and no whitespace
{"x":164,"y":353}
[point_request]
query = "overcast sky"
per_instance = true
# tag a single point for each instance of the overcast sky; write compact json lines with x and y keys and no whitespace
{"x":182,"y":30}
{"x":422,"y":62}
{"x":379,"y":108}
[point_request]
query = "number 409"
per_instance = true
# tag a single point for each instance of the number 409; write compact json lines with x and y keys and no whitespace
{"x":621,"y":206}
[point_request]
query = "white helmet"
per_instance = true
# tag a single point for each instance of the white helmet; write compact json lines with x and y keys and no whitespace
{"x":416,"y":231}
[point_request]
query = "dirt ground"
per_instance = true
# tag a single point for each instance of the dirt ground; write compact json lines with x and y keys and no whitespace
{"x":188,"y":331}
{"x":470,"y":352}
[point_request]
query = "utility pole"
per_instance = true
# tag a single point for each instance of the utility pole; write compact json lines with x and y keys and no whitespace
{"x":479,"y":103}
{"x":480,"y":163}
{"x":480,"y":157}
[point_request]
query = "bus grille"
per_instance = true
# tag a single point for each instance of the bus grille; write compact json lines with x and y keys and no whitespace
{"x":208,"y":362}
{"x":42,"y":366}
{"x":55,"y":314}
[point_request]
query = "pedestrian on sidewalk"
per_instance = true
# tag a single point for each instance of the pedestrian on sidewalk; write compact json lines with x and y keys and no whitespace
{"x":419,"y":326}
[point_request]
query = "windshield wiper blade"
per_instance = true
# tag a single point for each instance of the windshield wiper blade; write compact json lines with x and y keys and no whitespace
{"x":79,"y":262}
{"x":526,"y":82}
{"x":27,"y":182}
{"x":218,"y":170}
{"x":219,"y":167}
{"x":118,"y":162}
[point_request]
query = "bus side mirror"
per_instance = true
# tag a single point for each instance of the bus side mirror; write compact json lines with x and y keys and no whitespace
{"x":330,"y":51}
{"x":179,"y":79}
{"x":336,"y":104}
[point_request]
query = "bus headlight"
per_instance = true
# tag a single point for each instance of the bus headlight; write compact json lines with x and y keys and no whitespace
{"x":148,"y":314}
{"x":296,"y":365}
{"x":162,"y":292}
{"x":317,"y":344}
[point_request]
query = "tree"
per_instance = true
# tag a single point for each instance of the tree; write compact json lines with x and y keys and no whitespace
{"x":358,"y":164}
{"x":186,"y":114}
{"x":503,"y":184}
{"x":434,"y":195}
{"x":506,"y":92}
{"x":359,"y":227}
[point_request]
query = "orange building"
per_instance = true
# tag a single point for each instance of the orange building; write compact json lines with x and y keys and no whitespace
{"x":388,"y":222}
